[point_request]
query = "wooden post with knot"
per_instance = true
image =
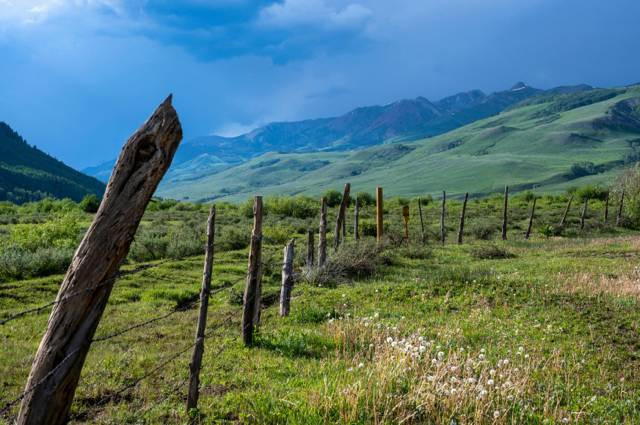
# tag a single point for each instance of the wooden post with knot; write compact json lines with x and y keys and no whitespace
{"x":422,"y":234}
{"x":620,"y":208}
{"x":379,"y":212}
{"x":356,"y":220}
{"x":405,"y":218}
{"x":287,"y":279}
{"x":443,"y":230}
{"x":58,"y":363}
{"x":566,"y":212}
{"x":253,"y":289}
{"x":533,"y":211}
{"x":205,"y":290}
{"x":505,"y":210}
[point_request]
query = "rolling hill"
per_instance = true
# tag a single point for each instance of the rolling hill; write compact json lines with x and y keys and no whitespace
{"x":28,"y":174}
{"x":407,"y":119}
{"x":548,"y":141}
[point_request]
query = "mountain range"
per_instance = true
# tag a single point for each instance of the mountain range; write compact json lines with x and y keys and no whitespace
{"x":407,"y":119}
{"x":28,"y":174}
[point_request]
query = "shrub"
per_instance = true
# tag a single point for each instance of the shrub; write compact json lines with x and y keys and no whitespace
{"x":415,"y":251}
{"x":333,"y":197}
{"x":592,"y":192}
{"x":352,"y":260}
{"x":426,"y":199}
{"x":231,"y":238}
{"x":490,"y":252}
{"x":90,"y":204}
{"x":482,"y":230}
{"x":62,"y":232}
{"x":365,"y":199}
{"x":298,"y":207}
{"x":17,"y":263}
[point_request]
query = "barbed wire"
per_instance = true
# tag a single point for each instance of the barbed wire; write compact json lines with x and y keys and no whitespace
{"x":74,"y":294}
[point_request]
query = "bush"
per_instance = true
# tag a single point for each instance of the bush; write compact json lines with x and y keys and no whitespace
{"x":17,"y":263}
{"x":298,"y":207}
{"x":231,"y":238}
{"x":591,"y":192}
{"x":426,"y":199}
{"x":490,"y":252}
{"x":62,"y":232}
{"x":351,"y":261}
{"x":365,"y":199}
{"x":334,"y":198}
{"x":482,"y":230}
{"x":415,"y":251}
{"x":90,"y":204}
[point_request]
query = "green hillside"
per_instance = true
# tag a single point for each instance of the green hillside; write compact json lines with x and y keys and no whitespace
{"x":547,"y":143}
{"x":28,"y":174}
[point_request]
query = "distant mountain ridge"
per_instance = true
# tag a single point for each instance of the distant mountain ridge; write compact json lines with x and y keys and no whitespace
{"x":549,"y":141}
{"x":407,"y":119}
{"x":28,"y":174}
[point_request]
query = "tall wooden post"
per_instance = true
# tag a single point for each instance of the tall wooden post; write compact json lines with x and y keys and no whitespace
{"x":584,"y":213}
{"x":620,"y":207}
{"x":253,"y":289}
{"x":322,"y":234}
{"x":422,"y":234}
{"x":462,"y":214}
{"x":606,"y":208}
{"x":533,"y":210}
{"x":287,"y":279}
{"x":405,"y":218}
{"x":341,"y":215}
{"x":566,"y":212}
{"x":443,"y":230}
{"x":379,"y":223}
{"x":310,"y":249}
{"x":356,"y":220}
{"x":58,"y":363}
{"x":504,"y":213}
{"x":198,"y":350}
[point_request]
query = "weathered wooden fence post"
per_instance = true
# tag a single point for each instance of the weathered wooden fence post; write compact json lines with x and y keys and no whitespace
{"x":310,"y":249}
{"x":379,"y":209}
{"x":584,"y":213}
{"x":422,"y":235}
{"x":198,"y":350}
{"x":504,"y":213}
{"x":620,"y":207}
{"x":253,"y":289}
{"x":533,"y":210}
{"x":287,"y":279}
{"x":340,"y":220}
{"x":322,"y":234}
{"x":606,"y":208}
{"x":405,"y":218}
{"x":462,"y":214}
{"x":566,"y":211}
{"x":356,"y":220}
{"x":443,"y":230}
{"x":58,"y":363}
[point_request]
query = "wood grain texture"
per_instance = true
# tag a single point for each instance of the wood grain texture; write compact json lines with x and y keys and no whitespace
{"x":142,"y":163}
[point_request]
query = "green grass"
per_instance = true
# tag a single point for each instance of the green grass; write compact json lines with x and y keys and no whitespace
{"x":304,"y":369}
{"x":531,"y":146}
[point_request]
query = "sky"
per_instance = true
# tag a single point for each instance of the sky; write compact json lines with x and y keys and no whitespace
{"x":77,"y":77}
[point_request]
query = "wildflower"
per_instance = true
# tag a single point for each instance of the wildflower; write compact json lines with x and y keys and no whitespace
{"x":496,"y":414}
{"x":490,"y":382}
{"x":481,"y":356}
{"x":389,"y":340}
{"x":526,"y":356}
{"x":360,"y":365}
{"x":492,"y":372}
{"x":440,"y":355}
{"x":565,"y":420}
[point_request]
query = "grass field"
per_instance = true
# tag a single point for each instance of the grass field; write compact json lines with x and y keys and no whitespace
{"x":538,"y":331}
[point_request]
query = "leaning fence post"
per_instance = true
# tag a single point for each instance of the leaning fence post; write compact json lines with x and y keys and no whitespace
{"x":422,"y":235}
{"x":379,"y":209}
{"x":462,"y":213}
{"x":606,"y":208}
{"x":533,"y":210}
{"x":287,"y":279}
{"x":504,"y":213}
{"x":198,"y":350}
{"x":322,"y":234}
{"x":356,"y":220}
{"x":566,"y":211}
{"x":58,"y":363}
{"x":253,"y":290}
{"x":619,"y":215}
{"x":443,"y":230}
{"x":584,"y":212}
{"x":341,"y":216}
{"x":310,"y":249}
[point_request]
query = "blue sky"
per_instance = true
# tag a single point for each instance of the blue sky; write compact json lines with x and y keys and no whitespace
{"x":78,"y":76}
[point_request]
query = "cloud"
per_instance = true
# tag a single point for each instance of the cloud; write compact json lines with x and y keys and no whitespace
{"x":296,"y":13}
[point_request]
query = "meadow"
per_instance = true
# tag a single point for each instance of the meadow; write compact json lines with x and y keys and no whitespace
{"x":537,"y":331}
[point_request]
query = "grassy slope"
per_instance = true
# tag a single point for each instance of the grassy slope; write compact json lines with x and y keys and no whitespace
{"x":587,"y":342}
{"x":516,"y":147}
